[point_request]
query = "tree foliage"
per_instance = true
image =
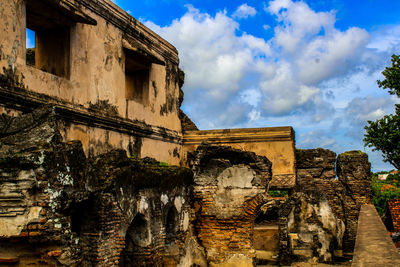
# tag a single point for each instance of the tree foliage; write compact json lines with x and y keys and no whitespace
{"x":392,"y":77}
{"x":385,"y":190}
{"x":384,"y":134}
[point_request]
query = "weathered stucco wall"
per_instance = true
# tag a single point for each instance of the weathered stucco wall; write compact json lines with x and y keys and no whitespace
{"x":100,"y":44}
{"x":275,"y":143}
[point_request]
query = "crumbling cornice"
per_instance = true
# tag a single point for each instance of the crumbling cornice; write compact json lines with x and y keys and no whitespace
{"x":24,"y":100}
{"x":129,"y":26}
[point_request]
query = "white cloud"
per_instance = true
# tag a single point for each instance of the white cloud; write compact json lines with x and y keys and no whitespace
{"x":298,"y":23}
{"x":316,"y":138}
{"x":360,"y":110}
{"x":330,"y":55}
{"x":244,"y":11}
{"x":213,"y":57}
{"x":386,"y":39}
{"x":310,"y":74}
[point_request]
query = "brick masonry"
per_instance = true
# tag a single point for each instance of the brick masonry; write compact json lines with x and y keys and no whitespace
{"x":346,"y":192}
{"x":79,"y":211}
{"x":394,"y":209}
{"x":230,"y":187}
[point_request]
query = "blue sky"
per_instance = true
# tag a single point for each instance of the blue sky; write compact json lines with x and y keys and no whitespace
{"x":311,"y":64}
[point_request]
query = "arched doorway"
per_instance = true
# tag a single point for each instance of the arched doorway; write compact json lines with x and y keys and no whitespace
{"x":171,"y":225}
{"x":136,"y":240}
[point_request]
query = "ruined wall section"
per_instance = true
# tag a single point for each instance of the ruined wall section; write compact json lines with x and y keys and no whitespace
{"x":317,"y":170}
{"x":92,"y":92}
{"x":275,"y":143}
{"x":58,"y":208}
{"x":315,"y":232}
{"x":354,"y":173}
{"x":230,"y":186}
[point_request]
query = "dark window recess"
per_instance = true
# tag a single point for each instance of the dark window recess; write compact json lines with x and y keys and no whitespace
{"x":51,"y":29}
{"x":137,"y":70}
{"x":271,"y":216}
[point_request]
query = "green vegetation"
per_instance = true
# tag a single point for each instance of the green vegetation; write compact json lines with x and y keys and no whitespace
{"x":384,"y":134}
{"x":385,"y":190}
{"x":278,"y":193}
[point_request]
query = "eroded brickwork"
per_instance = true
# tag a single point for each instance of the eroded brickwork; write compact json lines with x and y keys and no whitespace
{"x":346,"y":193}
{"x":394,"y":209}
{"x":60,"y":208}
{"x":230,"y":186}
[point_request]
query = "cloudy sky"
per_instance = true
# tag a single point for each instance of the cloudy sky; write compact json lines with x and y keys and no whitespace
{"x":310,"y":64}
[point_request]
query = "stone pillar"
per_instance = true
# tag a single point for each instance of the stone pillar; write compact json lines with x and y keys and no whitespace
{"x":316,"y":171}
{"x":354,"y":173}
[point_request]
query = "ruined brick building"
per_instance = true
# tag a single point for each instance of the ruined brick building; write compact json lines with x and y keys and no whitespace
{"x":100,"y":167}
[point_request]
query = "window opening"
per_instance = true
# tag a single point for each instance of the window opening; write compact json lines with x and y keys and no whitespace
{"x":137,"y":72}
{"x":48,"y":39}
{"x":30,"y":47}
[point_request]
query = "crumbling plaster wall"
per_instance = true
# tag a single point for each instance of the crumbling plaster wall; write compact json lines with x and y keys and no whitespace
{"x":97,"y":75}
{"x":230,"y":186}
{"x":275,"y":143}
{"x":315,"y":233}
{"x":59,"y":208}
{"x":317,"y":170}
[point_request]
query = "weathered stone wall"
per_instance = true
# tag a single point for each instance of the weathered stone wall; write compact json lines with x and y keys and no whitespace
{"x":354,"y":173}
{"x":346,"y":193}
{"x":187,"y":123}
{"x":91,"y":92}
{"x":230,"y":186}
{"x":60,"y":208}
{"x":315,"y":233}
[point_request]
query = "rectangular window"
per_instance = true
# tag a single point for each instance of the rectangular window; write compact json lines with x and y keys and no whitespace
{"x":30,"y":47}
{"x":48,"y":33}
{"x":137,"y":71}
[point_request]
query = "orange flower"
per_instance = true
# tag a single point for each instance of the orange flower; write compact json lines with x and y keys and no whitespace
{"x":387,"y":187}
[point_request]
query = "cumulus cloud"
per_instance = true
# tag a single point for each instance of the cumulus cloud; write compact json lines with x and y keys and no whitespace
{"x":362,"y":109}
{"x":244,"y":11}
{"x":386,"y":39}
{"x":214,"y":58}
{"x":298,"y":23}
{"x":309,"y":74}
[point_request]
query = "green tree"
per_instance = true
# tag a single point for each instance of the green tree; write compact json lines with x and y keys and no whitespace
{"x":384,"y":134}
